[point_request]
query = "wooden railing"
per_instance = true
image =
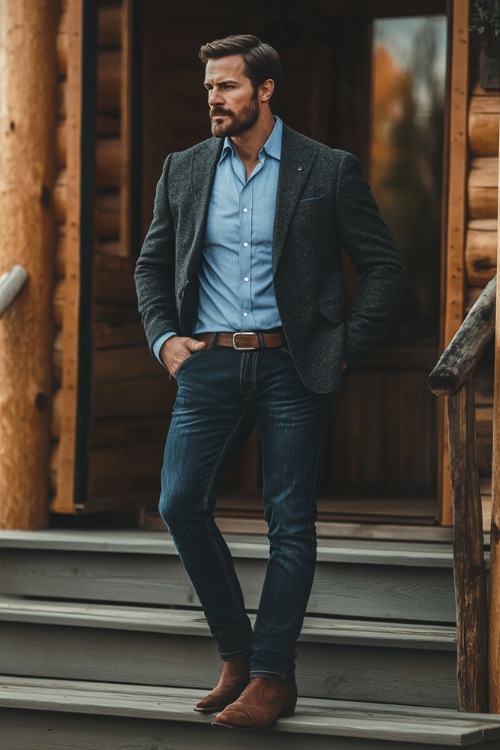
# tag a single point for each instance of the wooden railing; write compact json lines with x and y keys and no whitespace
{"x":11,"y":284}
{"x":453,"y":377}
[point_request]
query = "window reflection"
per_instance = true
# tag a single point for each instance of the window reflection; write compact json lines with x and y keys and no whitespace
{"x":406,"y":145}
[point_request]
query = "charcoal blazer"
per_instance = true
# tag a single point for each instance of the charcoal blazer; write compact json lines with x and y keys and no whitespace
{"x":323,"y":206}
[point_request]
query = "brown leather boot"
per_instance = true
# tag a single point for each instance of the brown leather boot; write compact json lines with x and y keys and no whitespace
{"x":260,"y":705}
{"x":234,"y":679}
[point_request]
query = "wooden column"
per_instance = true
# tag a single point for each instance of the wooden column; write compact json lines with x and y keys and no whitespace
{"x":454,"y":292}
{"x":28,"y":78}
{"x":494,"y":640}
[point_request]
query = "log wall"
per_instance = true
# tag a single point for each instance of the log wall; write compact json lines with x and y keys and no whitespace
{"x":481,"y":237}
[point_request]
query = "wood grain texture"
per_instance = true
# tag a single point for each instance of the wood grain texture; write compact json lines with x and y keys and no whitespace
{"x":469,"y":565}
{"x":28,"y":76}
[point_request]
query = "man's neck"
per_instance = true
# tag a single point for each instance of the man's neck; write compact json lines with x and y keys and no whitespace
{"x":248,"y":144}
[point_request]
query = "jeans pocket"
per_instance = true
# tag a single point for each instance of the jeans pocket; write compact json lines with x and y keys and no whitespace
{"x":182,"y":365}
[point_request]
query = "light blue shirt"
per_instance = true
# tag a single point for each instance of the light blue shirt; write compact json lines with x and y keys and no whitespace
{"x":236,"y":281}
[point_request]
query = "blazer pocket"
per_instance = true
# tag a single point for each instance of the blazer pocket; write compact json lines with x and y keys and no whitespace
{"x":331,"y":310}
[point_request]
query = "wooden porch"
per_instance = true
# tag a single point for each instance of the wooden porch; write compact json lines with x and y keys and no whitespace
{"x":102,"y":642}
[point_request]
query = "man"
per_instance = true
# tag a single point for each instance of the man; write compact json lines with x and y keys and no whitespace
{"x":240,"y":288}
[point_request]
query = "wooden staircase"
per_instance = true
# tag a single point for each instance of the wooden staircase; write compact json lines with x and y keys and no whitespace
{"x":102,"y":644}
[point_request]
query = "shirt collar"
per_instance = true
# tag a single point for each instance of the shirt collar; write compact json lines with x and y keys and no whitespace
{"x":272,"y":146}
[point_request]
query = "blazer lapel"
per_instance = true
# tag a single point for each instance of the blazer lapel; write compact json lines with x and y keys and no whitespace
{"x":297,"y":157}
{"x":203,"y":167}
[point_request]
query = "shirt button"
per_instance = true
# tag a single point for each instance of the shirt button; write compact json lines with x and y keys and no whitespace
{"x":245,"y":244}
{"x":245,"y":315}
{"x":245,"y":210}
{"x":245,"y":278}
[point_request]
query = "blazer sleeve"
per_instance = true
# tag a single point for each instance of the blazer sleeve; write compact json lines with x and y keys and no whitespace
{"x":367,"y":241}
{"x":155,"y":269}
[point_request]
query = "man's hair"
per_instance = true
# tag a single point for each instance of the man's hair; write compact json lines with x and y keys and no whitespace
{"x":260,"y":59}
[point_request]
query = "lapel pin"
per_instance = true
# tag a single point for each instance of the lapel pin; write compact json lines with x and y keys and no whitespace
{"x":299,"y":169}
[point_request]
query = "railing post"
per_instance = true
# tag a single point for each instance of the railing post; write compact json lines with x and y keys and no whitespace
{"x":494,"y":657}
{"x":469,"y":566}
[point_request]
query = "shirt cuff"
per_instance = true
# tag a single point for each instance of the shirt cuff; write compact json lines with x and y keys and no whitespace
{"x":159,"y":343}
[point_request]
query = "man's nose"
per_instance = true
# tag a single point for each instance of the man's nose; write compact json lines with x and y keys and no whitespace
{"x":215,"y":97}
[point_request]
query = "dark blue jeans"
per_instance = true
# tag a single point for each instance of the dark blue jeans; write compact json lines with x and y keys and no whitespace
{"x":222,"y":394}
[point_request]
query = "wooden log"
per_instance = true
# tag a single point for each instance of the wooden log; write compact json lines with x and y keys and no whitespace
{"x":484,"y":114}
{"x":494,"y":633}
{"x":458,"y":361}
{"x":117,"y":332}
{"x":108,"y":163}
{"x":61,"y":251}
{"x":482,"y":188}
{"x":61,"y":98}
{"x":62,"y":52}
{"x":59,"y":299}
{"x":107,"y":215}
{"x":61,"y":143}
{"x":11,"y":285}
{"x":480,"y":256}
{"x":109,"y":26}
{"x":108,"y":81}
{"x":469,"y":565}
{"x":61,"y":196}
{"x":27,"y":236}
{"x":57,"y":358}
{"x":55,"y":427}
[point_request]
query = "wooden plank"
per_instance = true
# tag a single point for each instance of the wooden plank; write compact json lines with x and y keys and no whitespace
{"x":454,"y":271}
{"x":469,"y":565}
{"x":494,"y":621}
{"x":414,"y":728}
{"x":63,"y":501}
{"x":381,"y":591}
{"x":331,"y":666}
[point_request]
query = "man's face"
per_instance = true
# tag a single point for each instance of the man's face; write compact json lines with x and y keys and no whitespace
{"x":234,"y":105}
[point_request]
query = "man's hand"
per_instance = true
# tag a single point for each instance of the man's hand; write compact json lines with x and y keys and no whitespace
{"x":176,"y":350}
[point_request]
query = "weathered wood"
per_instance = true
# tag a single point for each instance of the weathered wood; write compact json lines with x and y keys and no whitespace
{"x":494,"y":644}
{"x":108,"y":80}
{"x":140,"y":716}
{"x":108,"y":163}
{"x":483,"y":127}
{"x":460,"y":358}
{"x":480,"y":256}
{"x":351,"y":660}
{"x":469,"y":565}
{"x":28,"y":76}
{"x":482,"y":188}
{"x":11,"y":286}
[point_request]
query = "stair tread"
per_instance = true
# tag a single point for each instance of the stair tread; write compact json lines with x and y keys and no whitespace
{"x":192,"y":622}
{"x":425,"y":554}
{"x":318,"y":716}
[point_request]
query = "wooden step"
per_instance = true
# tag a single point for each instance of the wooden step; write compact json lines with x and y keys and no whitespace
{"x":344,"y":659}
{"x":58,"y":714}
{"x":376,"y":580}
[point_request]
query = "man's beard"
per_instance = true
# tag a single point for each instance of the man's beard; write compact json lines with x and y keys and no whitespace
{"x":237,"y":124}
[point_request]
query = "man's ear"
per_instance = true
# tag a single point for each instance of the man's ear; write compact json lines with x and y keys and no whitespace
{"x":266,"y":90}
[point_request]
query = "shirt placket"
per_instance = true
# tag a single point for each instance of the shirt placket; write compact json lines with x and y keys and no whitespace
{"x":245,"y":262}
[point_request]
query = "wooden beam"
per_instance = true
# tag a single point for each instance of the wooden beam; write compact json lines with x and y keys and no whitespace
{"x":454,"y":288}
{"x":28,"y":78}
{"x":65,"y":465}
{"x":494,"y":654}
{"x":469,"y":565}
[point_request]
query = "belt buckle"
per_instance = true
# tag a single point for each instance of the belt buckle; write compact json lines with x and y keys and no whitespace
{"x":243,"y":348}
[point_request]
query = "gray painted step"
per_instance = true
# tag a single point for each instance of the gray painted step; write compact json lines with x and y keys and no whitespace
{"x":349,"y":660}
{"x":48,"y":714}
{"x":377,"y":580}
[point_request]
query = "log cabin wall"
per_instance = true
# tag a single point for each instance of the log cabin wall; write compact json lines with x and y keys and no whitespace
{"x":481,"y":240}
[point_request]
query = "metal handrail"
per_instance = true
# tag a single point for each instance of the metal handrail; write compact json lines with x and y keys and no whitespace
{"x":11,"y":284}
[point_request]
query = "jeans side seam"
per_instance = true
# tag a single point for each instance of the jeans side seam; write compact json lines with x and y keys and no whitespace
{"x":205,"y":505}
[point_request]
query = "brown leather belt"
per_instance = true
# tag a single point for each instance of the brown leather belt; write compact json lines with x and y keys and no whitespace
{"x":244,"y":340}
